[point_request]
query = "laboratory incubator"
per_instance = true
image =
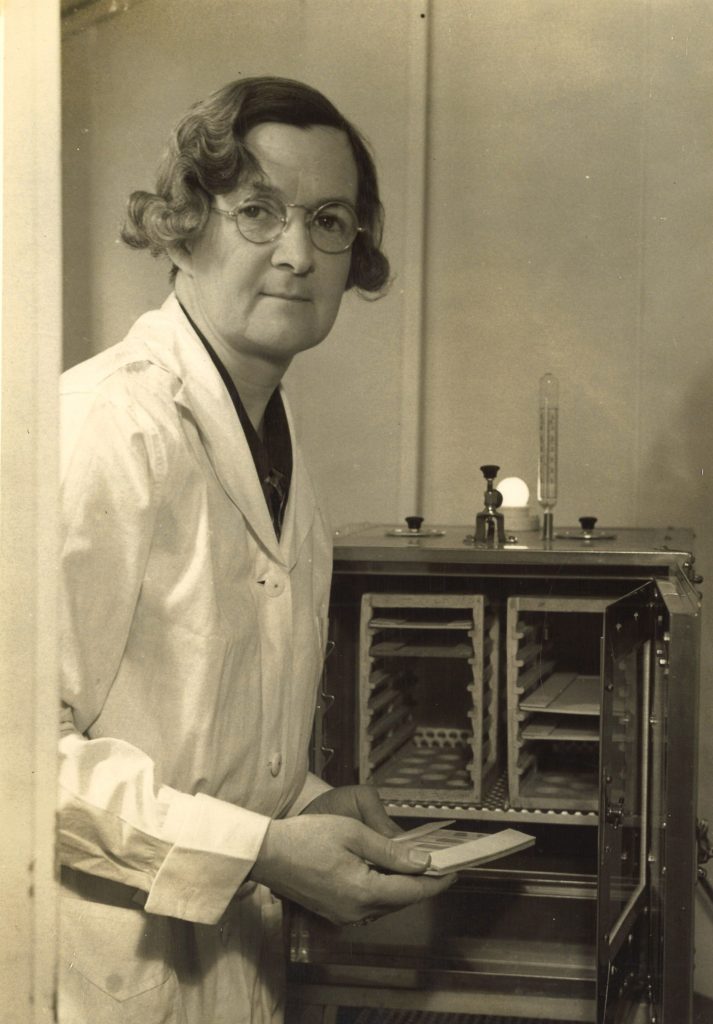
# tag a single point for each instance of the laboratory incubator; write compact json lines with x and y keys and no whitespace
{"x":510,"y":677}
{"x":541,"y":684}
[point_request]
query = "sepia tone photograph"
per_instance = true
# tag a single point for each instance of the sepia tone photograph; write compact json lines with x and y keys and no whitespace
{"x":356,"y":512}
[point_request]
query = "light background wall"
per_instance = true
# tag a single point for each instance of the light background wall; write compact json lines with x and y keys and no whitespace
{"x":569,"y":227}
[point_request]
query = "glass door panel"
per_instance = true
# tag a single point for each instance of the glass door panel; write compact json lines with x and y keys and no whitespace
{"x":623,"y":827}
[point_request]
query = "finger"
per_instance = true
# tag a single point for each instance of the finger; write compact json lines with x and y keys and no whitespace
{"x":372,"y":813}
{"x":383,"y":853}
{"x":392,"y":892}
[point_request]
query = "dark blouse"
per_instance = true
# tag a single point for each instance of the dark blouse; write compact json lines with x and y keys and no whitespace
{"x":272,"y":454}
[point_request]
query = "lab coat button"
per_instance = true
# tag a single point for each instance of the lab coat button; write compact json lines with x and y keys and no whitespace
{"x":274,"y":584}
{"x":275,"y":764}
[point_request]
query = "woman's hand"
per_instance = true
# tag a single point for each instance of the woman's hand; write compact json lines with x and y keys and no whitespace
{"x":360,"y":802}
{"x":341,"y":868}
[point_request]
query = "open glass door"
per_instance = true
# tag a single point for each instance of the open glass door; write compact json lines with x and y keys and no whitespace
{"x":622,"y":931}
{"x":672,"y":804}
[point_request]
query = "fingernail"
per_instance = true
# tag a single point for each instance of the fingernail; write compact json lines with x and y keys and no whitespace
{"x":419,"y":858}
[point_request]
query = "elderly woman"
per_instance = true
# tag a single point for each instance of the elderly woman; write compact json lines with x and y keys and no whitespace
{"x":195,"y":569}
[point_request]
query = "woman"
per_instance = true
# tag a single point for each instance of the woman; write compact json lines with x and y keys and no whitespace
{"x":196,"y":566}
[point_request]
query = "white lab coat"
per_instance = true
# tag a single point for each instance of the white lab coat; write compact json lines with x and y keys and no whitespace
{"x":192,"y":642}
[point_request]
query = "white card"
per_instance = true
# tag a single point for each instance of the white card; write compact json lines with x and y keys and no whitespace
{"x":454,"y":850}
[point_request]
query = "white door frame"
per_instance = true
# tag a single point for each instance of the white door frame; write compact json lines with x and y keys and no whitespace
{"x":31,"y":356}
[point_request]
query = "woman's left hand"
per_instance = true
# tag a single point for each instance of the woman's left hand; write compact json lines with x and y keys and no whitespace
{"x":360,"y":802}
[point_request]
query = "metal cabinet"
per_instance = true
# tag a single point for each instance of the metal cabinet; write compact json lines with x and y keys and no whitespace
{"x":549,"y":686}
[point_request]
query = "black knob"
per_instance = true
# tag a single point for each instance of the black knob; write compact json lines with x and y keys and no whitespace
{"x":490,"y":472}
{"x":493,"y":498}
{"x":587,"y":523}
{"x":414,"y":522}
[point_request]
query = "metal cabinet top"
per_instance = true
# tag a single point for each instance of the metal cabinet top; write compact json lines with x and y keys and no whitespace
{"x":388,"y":548}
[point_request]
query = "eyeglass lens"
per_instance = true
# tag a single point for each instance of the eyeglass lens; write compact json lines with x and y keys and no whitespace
{"x":332,"y":227}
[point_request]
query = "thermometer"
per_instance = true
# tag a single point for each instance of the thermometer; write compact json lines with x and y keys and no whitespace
{"x":547,"y":465}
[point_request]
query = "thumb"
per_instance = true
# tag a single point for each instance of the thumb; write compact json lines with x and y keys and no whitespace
{"x":372,"y":813}
{"x":383,"y":853}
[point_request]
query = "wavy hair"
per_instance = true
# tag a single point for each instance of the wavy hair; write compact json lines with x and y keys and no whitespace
{"x":207,"y":156}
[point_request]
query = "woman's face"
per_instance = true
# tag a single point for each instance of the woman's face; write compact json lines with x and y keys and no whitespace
{"x":272,"y":300}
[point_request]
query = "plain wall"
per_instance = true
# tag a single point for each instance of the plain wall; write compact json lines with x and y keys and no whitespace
{"x":568,"y":173}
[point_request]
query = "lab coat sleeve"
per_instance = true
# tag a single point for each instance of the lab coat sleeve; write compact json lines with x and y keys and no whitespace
{"x":116,"y":818}
{"x":188,"y":853}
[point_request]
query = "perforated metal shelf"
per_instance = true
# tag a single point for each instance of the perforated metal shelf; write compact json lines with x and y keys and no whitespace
{"x":494,"y":807}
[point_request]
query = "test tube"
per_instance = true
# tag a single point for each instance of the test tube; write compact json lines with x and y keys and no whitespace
{"x":547,"y":464}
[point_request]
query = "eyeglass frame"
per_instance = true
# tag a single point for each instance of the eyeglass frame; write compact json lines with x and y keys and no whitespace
{"x":312,"y":213}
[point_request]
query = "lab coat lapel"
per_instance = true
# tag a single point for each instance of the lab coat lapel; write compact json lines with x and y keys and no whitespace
{"x":205,"y":399}
{"x":302,"y":502}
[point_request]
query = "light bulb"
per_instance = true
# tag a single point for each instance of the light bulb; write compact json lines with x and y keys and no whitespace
{"x":515,"y":492}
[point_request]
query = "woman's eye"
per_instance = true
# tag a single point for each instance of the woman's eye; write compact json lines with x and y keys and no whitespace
{"x":328,"y":222}
{"x":254,"y":211}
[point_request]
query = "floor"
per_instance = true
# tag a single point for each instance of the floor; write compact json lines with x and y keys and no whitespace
{"x":702,"y":1010}
{"x":416,"y":1017}
{"x":702,"y":1014}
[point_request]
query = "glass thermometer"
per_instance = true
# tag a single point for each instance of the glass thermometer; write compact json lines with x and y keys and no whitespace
{"x":547,"y":464}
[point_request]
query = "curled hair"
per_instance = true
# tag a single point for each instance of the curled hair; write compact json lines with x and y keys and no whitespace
{"x":207,"y":156}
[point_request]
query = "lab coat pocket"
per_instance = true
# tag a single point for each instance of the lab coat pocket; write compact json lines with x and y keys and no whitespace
{"x":122,"y":953}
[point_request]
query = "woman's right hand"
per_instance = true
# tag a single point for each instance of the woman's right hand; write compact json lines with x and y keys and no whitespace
{"x":341,"y":869}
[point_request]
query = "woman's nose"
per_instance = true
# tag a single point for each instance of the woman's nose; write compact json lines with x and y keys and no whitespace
{"x":294,"y":247}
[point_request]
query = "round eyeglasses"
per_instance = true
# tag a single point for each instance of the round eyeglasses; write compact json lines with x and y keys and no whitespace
{"x":333,"y":226}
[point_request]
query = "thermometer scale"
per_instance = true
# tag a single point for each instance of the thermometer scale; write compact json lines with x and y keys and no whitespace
{"x":547,"y":463}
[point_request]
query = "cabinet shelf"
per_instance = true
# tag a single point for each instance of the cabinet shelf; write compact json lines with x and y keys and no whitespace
{"x":428,"y":682}
{"x":427,"y":649}
{"x":554,"y":700}
{"x":382,"y":622}
{"x":575,"y":732}
{"x":565,"y":693}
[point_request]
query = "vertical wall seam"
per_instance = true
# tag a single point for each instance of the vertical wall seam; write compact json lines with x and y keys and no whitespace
{"x":410,"y":494}
{"x":645,"y":98}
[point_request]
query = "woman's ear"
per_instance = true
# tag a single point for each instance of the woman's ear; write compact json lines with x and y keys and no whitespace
{"x":180,"y":256}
